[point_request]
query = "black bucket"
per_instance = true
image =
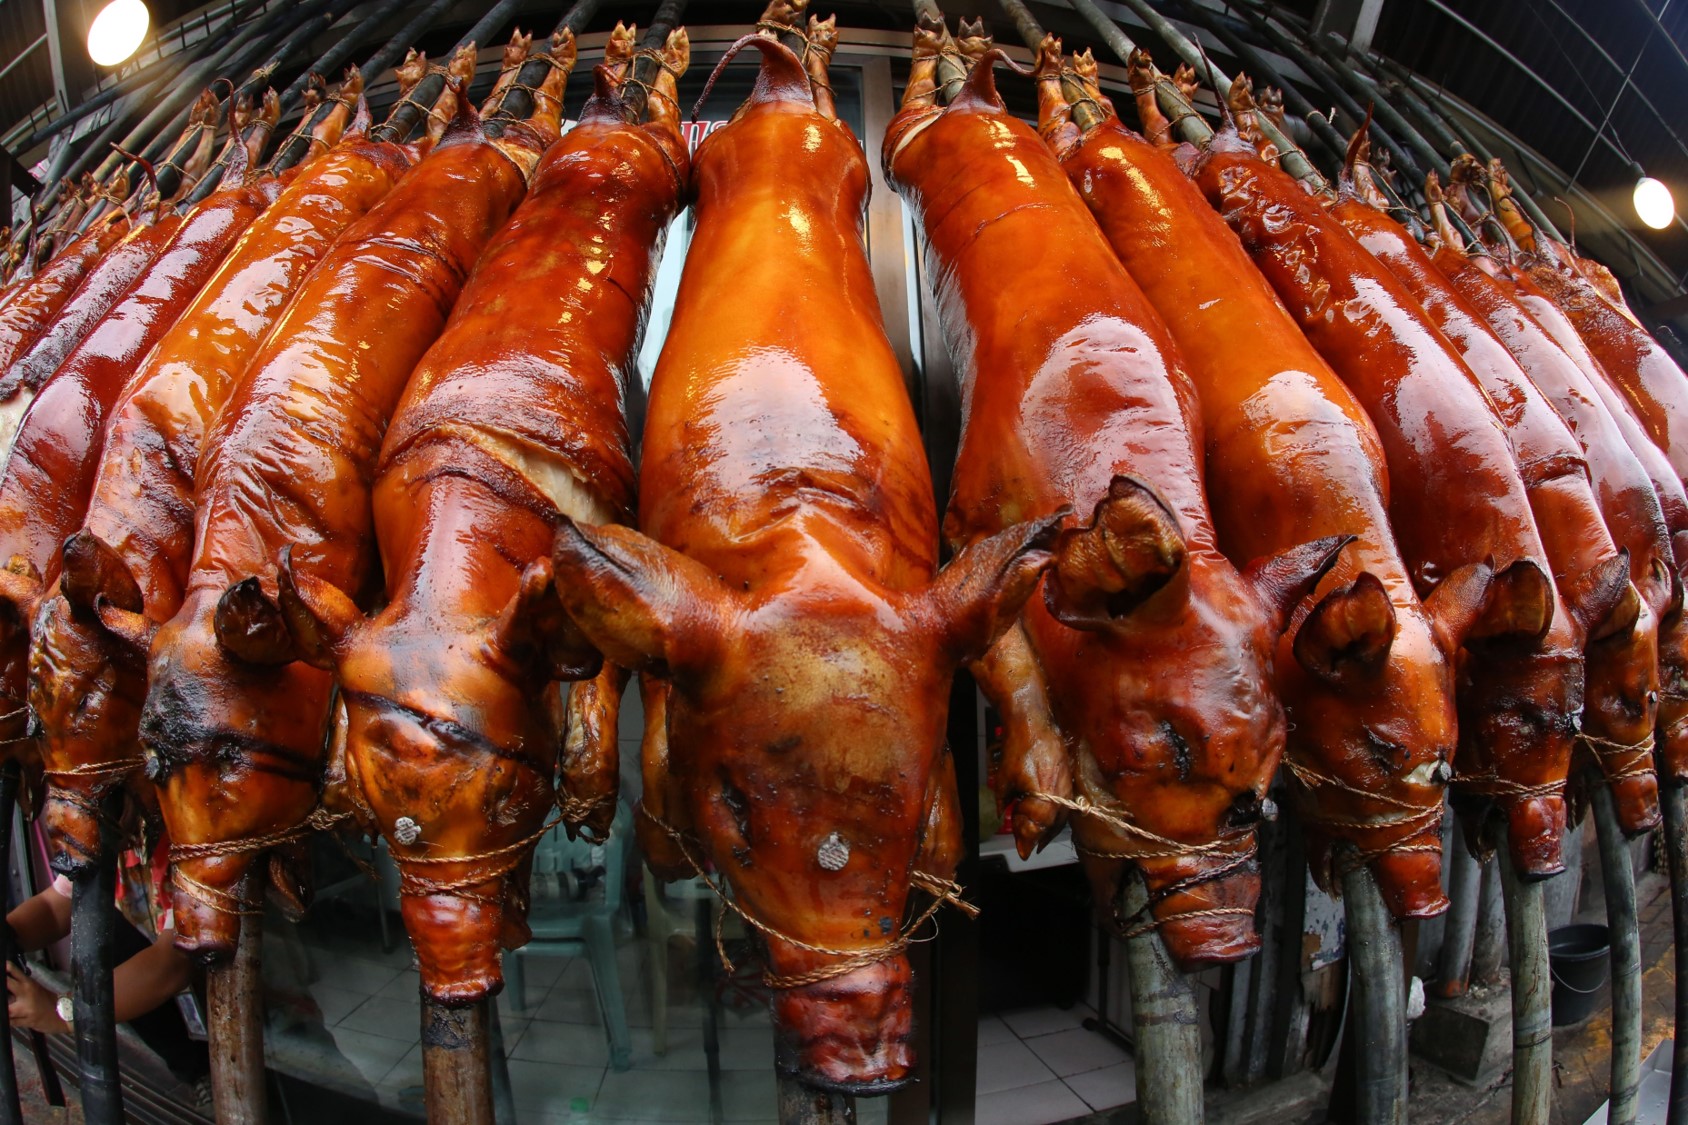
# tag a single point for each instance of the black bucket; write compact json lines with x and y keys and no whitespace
{"x":1579,"y":958}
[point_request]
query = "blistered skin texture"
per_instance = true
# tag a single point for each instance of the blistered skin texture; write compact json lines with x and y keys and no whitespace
{"x":34,"y":304}
{"x":1291,"y":456}
{"x":236,"y":748}
{"x":87,"y":682}
{"x":1069,"y":378}
{"x":101,"y":289}
{"x":1650,"y":381}
{"x":513,"y":418}
{"x":1533,"y":747}
{"x":50,"y":473}
{"x":1631,"y":507}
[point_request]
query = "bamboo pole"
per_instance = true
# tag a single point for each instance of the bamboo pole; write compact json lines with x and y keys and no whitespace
{"x":1625,"y":936}
{"x":803,"y":1105}
{"x":234,"y":995}
{"x":456,"y":1080}
{"x":93,"y":914}
{"x":409,"y":114}
{"x":517,"y":102}
{"x":336,"y":56}
{"x":1532,"y":996}
{"x":1164,"y":1020}
{"x":1673,"y":796}
{"x":1377,"y":1011}
{"x":11,"y":1110}
{"x":1459,"y":935}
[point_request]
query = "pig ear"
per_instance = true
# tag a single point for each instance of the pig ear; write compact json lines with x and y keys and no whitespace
{"x":91,"y":569}
{"x":1519,"y":604}
{"x":1280,"y":581}
{"x":131,"y":628}
{"x":250,"y":625}
{"x":1348,"y":633}
{"x":982,"y":590}
{"x":318,"y":615}
{"x":1130,"y":549}
{"x":534,"y":624}
{"x":644,"y":606}
{"x":1604,"y":601}
{"x":1457,"y":603}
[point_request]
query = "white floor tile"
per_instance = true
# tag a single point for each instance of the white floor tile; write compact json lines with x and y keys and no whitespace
{"x":406,"y":986}
{"x":1106,"y":1088}
{"x":1074,"y":1052}
{"x":355,"y":974}
{"x":1030,"y":1105}
{"x":748,"y":1096}
{"x":993,"y":1030}
{"x":669,"y":1095}
{"x":571,"y":1043}
{"x":549,"y":1087}
{"x":1045,"y":1020}
{"x":335,"y":1003}
{"x":372,"y":1055}
{"x":381,"y":1015}
{"x":1004,"y":1066}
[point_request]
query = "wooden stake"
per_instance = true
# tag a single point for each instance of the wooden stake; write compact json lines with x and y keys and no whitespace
{"x":93,"y":913}
{"x":1625,"y":937}
{"x":803,"y":1105}
{"x":234,"y":995}
{"x":1163,"y":1017}
{"x":1673,"y":796}
{"x":1532,"y":996}
{"x":1377,"y":1016}
{"x":456,"y":1080}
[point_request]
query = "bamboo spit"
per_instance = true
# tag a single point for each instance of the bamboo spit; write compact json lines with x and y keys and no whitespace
{"x":234,"y":996}
{"x":1164,"y":1020}
{"x":1625,"y":936}
{"x":1532,"y":1027}
{"x":1459,"y":934}
{"x":1673,"y":799}
{"x":11,"y":1111}
{"x":92,"y":920}
{"x":1377,"y":1015}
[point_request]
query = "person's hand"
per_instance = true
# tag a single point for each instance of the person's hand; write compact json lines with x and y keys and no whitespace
{"x":31,"y":1004}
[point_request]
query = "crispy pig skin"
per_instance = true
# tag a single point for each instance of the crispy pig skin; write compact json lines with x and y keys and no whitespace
{"x":87,"y":681}
{"x":1620,"y":696}
{"x":233,"y":725}
{"x":34,"y":304}
{"x":512,"y":420}
{"x":1456,"y":495}
{"x":784,"y":587}
{"x":1291,"y":455}
{"x":1073,"y":384}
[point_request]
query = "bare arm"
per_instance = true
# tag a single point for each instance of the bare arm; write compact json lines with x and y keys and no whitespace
{"x":39,"y":921}
{"x":143,"y":982}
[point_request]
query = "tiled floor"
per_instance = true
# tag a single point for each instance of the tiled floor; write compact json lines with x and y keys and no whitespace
{"x":1040,"y":1065}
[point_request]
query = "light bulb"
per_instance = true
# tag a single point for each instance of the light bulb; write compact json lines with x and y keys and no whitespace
{"x":117,"y":31}
{"x":1653,"y":203}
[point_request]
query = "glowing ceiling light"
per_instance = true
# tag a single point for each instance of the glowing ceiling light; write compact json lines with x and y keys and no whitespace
{"x":1653,"y":203}
{"x":117,"y":31}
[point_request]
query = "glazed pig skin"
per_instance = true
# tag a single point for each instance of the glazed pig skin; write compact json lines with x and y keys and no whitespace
{"x":1456,"y":496}
{"x":233,"y":726}
{"x":1291,"y":455}
{"x":1074,"y":391}
{"x":513,"y":420}
{"x":129,"y":563}
{"x":33,"y":305}
{"x":50,"y":472}
{"x":784,"y":587}
{"x":1621,"y":667}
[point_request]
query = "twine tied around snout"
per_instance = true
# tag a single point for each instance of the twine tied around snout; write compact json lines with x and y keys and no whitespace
{"x":944,"y":892}
{"x":1144,"y":920}
{"x":1620,"y":761}
{"x":1413,"y":821}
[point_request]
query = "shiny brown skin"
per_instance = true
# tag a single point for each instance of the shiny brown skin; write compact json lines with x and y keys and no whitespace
{"x":99,"y":293}
{"x":784,"y":584}
{"x":1620,"y":694}
{"x":87,"y":680}
{"x":50,"y":473}
{"x":1650,"y":381}
{"x":235,"y":743}
{"x":513,"y":420}
{"x":1456,"y":495}
{"x":1070,"y":379}
{"x":34,"y":304}
{"x":1627,"y":490}
{"x":1671,"y":751}
{"x":1292,"y":456}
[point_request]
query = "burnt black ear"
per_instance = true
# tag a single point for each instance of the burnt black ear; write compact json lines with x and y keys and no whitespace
{"x":318,"y":615}
{"x":250,"y":625}
{"x":534,"y":624}
{"x":1455,"y":605}
{"x":1519,"y":604}
{"x":645,"y":606}
{"x":1348,"y":634}
{"x":1280,"y":581}
{"x":92,"y":570}
{"x":1131,"y":548}
{"x":1604,"y":601}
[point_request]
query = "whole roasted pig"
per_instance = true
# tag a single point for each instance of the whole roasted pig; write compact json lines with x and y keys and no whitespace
{"x":785,"y":586}
{"x":233,"y":725}
{"x":513,"y":420}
